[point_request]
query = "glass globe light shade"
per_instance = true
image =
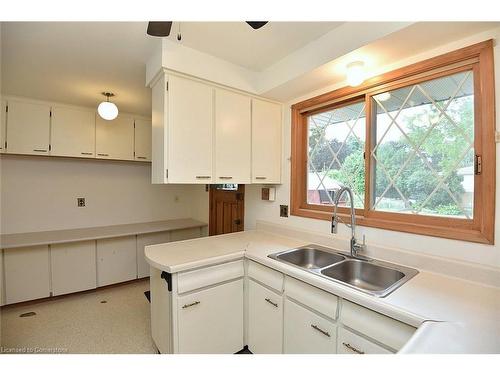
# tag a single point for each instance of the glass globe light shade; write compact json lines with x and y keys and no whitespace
{"x":107,"y":110}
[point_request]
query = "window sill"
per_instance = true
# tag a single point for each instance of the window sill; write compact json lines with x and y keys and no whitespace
{"x":448,"y":232}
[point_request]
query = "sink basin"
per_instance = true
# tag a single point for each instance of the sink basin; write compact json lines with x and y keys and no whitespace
{"x":309,"y":257}
{"x":370,"y":276}
{"x":364,"y":275}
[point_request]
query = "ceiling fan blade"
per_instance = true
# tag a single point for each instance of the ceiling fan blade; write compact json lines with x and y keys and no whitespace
{"x":159,"y":28}
{"x":256,"y":24}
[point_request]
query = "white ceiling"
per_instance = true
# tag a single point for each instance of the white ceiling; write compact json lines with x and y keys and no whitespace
{"x":378,"y":56}
{"x":238,"y":43}
{"x":73,"y":62}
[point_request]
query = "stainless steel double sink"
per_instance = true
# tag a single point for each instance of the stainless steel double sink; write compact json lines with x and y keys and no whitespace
{"x":366,"y":275}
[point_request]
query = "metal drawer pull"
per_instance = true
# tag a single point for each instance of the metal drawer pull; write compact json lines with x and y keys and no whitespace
{"x":348,"y":346}
{"x":260,"y":178}
{"x":191,"y":304}
{"x":225,"y":177}
{"x":39,"y":150}
{"x":103,"y":154}
{"x":271,"y":302}
{"x":141,"y":157}
{"x":86,"y":153}
{"x":203,"y":177}
{"x":320,"y":330}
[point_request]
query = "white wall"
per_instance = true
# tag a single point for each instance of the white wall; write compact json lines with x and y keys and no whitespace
{"x":39,"y":193}
{"x":486,"y":255}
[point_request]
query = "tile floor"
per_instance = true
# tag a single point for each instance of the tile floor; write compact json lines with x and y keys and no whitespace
{"x":80,"y":323}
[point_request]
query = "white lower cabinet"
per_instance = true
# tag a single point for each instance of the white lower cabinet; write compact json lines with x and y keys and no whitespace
{"x":307,"y":332}
{"x":265,"y":320}
{"x":145,"y":240}
{"x":351,"y":343}
{"x":27,"y":275}
{"x":211,"y":320}
{"x":73,"y":267}
{"x":116,"y":260}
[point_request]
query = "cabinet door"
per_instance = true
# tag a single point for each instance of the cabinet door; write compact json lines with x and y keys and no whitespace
{"x":142,"y":140}
{"x":3,"y":122}
{"x":265,"y":320}
{"x":211,"y":321}
{"x":350,"y":343}
{"x":28,"y":128}
{"x":26,"y":273}
{"x":145,"y":240}
{"x":232,"y":137}
{"x":266,"y":142}
{"x":73,"y":267}
{"x":115,"y":138}
{"x":307,"y":332}
{"x":190,"y":131}
{"x":72,"y":132}
{"x":116,"y":260}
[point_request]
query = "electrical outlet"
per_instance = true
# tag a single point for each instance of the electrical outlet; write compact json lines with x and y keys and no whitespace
{"x":283,"y":210}
{"x":80,"y":202}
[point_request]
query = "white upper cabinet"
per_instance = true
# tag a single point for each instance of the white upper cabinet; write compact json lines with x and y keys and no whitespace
{"x":28,"y":128}
{"x":266,"y":142}
{"x":232,"y":137}
{"x":3,"y":121}
{"x":190,"y":131}
{"x":142,"y":139}
{"x":204,"y":133}
{"x":115,"y":138}
{"x":72,"y":132}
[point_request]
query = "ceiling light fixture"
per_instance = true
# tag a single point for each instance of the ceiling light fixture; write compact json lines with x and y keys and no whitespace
{"x":107,"y":110}
{"x":355,"y":73}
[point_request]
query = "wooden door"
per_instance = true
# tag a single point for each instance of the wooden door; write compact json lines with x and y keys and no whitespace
{"x":227,"y":209}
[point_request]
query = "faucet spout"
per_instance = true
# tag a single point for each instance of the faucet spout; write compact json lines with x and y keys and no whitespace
{"x":354,"y":246}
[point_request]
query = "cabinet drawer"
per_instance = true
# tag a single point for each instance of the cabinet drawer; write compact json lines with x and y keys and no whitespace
{"x":265,"y":320}
{"x":211,"y":321}
{"x":312,"y":297}
{"x":191,"y":280}
{"x":307,"y":332}
{"x":350,"y":343}
{"x":386,"y":330}
{"x":266,"y":275}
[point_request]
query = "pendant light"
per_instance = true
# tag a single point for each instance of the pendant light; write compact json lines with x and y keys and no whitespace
{"x":107,"y":110}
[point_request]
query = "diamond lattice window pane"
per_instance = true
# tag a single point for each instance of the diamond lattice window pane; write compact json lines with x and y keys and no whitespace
{"x":336,"y":154}
{"x":424,"y":155}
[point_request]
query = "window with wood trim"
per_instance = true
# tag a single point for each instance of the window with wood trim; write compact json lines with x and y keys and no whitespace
{"x":416,"y":146}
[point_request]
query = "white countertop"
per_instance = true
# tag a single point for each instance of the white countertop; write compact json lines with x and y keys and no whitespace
{"x":453,"y":315}
{"x":9,"y":241}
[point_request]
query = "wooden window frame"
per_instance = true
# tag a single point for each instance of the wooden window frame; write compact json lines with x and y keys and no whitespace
{"x":479,"y":59}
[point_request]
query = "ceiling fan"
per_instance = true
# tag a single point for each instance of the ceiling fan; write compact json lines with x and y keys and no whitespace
{"x":162,"y":28}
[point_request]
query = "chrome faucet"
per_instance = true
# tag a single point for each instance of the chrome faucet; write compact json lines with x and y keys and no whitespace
{"x":355,"y":246}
